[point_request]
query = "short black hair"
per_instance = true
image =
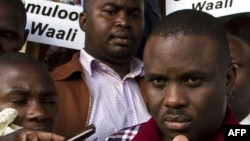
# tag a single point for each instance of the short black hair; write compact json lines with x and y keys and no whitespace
{"x":19,"y":5}
{"x":196,"y":23}
{"x":86,"y":5}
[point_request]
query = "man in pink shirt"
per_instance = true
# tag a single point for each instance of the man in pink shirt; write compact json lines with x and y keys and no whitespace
{"x":103,"y":83}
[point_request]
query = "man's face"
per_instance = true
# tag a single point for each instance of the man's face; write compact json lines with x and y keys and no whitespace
{"x":240,"y":99}
{"x":32,"y":93}
{"x":12,"y":32}
{"x":113,"y":28}
{"x":185,"y":85}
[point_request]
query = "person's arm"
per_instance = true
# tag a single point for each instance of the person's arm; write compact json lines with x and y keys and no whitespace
{"x":31,"y":135}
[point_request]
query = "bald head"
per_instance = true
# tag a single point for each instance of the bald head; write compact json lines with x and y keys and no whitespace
{"x":17,"y":58}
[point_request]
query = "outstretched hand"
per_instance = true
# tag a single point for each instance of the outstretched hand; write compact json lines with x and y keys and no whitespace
{"x":180,"y":138}
{"x":31,"y":135}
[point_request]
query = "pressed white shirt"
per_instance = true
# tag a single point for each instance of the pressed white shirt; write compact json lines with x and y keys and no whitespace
{"x":246,"y":120}
{"x":115,"y":103}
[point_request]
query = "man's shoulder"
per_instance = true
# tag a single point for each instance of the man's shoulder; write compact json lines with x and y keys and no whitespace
{"x":125,"y":134}
{"x":66,"y":70}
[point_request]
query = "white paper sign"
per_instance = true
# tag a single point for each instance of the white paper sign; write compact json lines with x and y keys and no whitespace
{"x":54,"y":23}
{"x":216,"y":8}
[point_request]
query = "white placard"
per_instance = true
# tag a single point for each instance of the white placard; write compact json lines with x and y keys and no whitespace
{"x":54,"y":23}
{"x":216,"y":8}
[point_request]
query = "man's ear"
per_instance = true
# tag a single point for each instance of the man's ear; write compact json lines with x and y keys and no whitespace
{"x":231,"y":76}
{"x":82,"y":21}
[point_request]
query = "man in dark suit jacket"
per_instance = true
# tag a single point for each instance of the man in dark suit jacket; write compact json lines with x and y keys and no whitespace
{"x":152,"y":16}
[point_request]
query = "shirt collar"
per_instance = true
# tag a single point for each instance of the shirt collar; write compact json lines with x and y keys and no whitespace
{"x":89,"y":64}
{"x":246,"y":120}
{"x":86,"y":61}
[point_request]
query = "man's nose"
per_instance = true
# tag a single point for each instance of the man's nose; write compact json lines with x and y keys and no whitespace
{"x":36,"y":112}
{"x":123,"y":19}
{"x":175,"y":96}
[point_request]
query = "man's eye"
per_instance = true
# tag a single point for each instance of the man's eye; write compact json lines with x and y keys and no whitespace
{"x":19,"y":102}
{"x":49,"y":102}
{"x":193,"y":81}
{"x":158,"y":82}
{"x":110,"y":12}
{"x":8,"y":36}
{"x":136,"y":15}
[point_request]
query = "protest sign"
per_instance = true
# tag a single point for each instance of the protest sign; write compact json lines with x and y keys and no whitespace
{"x":54,"y":23}
{"x":217,"y":8}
